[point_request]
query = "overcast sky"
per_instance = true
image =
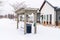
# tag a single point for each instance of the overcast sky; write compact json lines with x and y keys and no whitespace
{"x":30,"y":3}
{"x":34,"y":3}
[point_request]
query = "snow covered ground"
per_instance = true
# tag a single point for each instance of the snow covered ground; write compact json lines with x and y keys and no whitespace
{"x":8,"y":31}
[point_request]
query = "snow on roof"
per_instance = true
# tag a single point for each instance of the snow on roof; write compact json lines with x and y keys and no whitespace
{"x":28,"y":8}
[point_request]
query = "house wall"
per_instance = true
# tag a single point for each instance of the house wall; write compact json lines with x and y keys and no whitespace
{"x":58,"y":17}
{"x":38,"y":17}
{"x":47,"y":10}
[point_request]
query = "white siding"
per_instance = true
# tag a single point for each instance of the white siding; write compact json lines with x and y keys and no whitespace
{"x":46,"y":10}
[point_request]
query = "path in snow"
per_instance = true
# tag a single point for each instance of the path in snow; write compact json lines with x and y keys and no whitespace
{"x":8,"y":31}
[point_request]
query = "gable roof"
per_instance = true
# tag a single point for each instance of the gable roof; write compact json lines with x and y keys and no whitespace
{"x":44,"y":4}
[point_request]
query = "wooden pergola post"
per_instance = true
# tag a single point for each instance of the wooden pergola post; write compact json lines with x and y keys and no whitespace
{"x":17,"y":20}
{"x":21,"y":18}
{"x":35,"y":21}
{"x":25,"y":23}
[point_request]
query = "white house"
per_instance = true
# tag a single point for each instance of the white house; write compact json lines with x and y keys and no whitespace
{"x":49,"y":15}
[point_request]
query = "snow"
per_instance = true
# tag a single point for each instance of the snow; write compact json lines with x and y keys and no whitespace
{"x":8,"y":31}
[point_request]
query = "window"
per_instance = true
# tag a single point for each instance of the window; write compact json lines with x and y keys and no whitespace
{"x":42,"y":18}
{"x":59,"y":17}
{"x":47,"y":19}
{"x":50,"y":18}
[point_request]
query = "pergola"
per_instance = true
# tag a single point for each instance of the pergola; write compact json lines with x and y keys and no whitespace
{"x":25,"y":11}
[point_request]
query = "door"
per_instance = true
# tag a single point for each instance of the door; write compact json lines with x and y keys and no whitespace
{"x":28,"y":28}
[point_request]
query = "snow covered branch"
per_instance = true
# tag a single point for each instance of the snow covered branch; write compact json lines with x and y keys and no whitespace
{"x":19,"y":5}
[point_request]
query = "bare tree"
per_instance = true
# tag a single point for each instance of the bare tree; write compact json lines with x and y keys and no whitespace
{"x":19,"y":5}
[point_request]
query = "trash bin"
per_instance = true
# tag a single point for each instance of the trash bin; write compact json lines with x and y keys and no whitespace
{"x":28,"y":28}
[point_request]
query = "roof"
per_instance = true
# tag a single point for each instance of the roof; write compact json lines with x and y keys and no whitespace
{"x":44,"y":4}
{"x":57,"y":9}
{"x":28,"y":10}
